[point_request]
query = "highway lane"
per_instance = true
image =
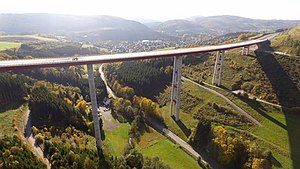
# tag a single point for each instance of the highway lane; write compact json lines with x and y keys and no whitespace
{"x":96,"y":59}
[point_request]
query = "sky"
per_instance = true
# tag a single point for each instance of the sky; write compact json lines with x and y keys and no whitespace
{"x":159,"y":9}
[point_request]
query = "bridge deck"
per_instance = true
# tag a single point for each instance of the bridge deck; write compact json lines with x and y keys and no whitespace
{"x":69,"y":61}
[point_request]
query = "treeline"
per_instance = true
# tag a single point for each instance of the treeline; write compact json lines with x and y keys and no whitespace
{"x":147,"y":78}
{"x":14,"y":154}
{"x":73,"y":157}
{"x":136,"y":111}
{"x":229,"y":150}
{"x":124,"y":92}
{"x":60,"y":106}
{"x":69,"y":148}
{"x":46,"y":49}
{"x":72,"y":75}
{"x":13,"y":87}
{"x":221,"y":114}
{"x":48,"y":108}
{"x":288,"y":41}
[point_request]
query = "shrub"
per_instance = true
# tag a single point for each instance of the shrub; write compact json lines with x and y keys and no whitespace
{"x":39,"y":139}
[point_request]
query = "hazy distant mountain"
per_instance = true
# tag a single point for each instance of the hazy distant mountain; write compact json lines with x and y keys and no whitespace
{"x":145,"y":20}
{"x":181,"y":27}
{"x":101,"y":27}
{"x":193,"y":17}
{"x":153,"y":25}
{"x":221,"y":25}
{"x":230,"y":24}
{"x":94,"y":28}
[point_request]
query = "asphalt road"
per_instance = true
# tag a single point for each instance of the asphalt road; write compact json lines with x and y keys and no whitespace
{"x":71,"y":61}
{"x":31,"y":140}
{"x":109,"y":91}
{"x":170,"y":135}
{"x":162,"y":129}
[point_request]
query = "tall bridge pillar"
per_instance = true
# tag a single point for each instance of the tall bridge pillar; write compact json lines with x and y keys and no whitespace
{"x":219,"y":63}
{"x":176,"y":87}
{"x":245,"y":50}
{"x":94,"y":105}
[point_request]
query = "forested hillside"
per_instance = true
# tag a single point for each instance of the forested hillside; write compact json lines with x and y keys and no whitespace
{"x":288,"y":42}
{"x":14,"y":154}
{"x":13,"y":87}
{"x":142,"y":76}
{"x":220,"y":25}
{"x":73,"y":75}
{"x":83,"y":28}
{"x":264,"y":75}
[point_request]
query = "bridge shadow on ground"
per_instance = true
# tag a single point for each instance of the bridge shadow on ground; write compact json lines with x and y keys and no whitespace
{"x":287,"y":94}
{"x":261,"y":110}
{"x":182,"y":126}
{"x":10,"y":106}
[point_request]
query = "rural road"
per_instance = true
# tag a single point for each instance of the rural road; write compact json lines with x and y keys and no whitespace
{"x":109,"y":91}
{"x":109,"y":123}
{"x":31,"y":140}
{"x":242,"y":112}
{"x":170,"y":135}
{"x":251,"y":97}
{"x":165,"y":131}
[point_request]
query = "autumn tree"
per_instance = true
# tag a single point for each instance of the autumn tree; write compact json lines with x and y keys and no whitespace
{"x":199,"y":136}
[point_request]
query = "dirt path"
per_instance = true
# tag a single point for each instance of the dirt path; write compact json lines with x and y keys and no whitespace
{"x":29,"y":136}
{"x":241,"y":111}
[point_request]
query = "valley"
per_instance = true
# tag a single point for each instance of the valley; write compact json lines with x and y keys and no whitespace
{"x":250,"y":121}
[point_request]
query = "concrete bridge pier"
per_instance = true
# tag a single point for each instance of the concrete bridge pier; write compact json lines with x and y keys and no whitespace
{"x":94,"y":105}
{"x":243,"y":51}
{"x":221,"y":67}
{"x":219,"y":63}
{"x":246,"y":50}
{"x":176,"y":87}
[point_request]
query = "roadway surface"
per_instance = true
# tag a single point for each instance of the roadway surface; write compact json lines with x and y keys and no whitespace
{"x":170,"y":135}
{"x":31,"y":140}
{"x":109,"y":91}
{"x":71,"y":61}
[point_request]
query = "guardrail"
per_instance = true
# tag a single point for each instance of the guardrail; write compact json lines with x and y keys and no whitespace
{"x":71,"y":61}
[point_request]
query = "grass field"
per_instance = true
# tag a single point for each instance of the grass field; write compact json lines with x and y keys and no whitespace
{"x":154,"y":144}
{"x":151,"y":144}
{"x":280,"y":131}
{"x":27,"y":37}
{"x":186,"y":119}
{"x":9,"y":45}
{"x":115,"y":140}
{"x":11,"y":117}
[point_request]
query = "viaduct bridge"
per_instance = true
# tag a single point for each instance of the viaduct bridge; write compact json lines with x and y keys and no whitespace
{"x":177,"y":54}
